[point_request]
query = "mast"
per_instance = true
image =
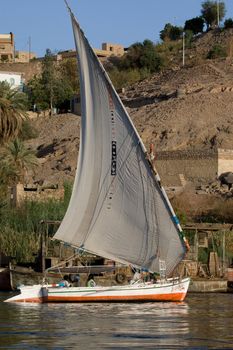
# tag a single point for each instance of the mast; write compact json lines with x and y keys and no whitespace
{"x":68,"y":7}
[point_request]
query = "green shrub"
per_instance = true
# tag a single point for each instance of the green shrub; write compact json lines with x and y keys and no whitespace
{"x":28,"y":131}
{"x":217,"y":51}
{"x":123,"y":78}
{"x":228,"y":23}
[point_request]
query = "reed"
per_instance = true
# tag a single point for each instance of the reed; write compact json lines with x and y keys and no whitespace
{"x":21,"y":228}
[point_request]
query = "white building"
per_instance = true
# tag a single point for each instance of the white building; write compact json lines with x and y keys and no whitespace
{"x":15,"y":79}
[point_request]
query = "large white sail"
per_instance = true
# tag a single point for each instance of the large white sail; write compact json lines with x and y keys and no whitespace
{"x":117,"y":208}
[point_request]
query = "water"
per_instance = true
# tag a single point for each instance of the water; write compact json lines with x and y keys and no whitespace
{"x":203,"y":321}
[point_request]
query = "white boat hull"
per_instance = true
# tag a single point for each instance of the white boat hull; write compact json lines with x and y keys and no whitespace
{"x":31,"y":294}
{"x":171,"y":290}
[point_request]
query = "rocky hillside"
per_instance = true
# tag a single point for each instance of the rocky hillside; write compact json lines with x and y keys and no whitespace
{"x":182,"y":108}
{"x":56,"y":147}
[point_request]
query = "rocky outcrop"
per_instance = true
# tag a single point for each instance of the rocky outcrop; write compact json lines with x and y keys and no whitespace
{"x":215,"y":189}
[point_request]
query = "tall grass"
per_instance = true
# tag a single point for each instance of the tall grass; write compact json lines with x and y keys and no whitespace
{"x":21,"y":246}
{"x":195,"y":208}
{"x":21,"y":227}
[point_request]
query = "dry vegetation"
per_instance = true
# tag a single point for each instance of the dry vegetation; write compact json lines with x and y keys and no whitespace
{"x":203,"y":208}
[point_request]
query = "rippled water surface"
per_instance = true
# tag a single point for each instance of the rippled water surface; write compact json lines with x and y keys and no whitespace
{"x":203,"y":321}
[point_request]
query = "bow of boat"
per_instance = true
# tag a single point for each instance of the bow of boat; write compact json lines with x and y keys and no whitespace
{"x":30,"y":294}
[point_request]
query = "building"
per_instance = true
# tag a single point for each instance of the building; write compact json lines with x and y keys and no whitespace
{"x":113,"y":49}
{"x":7,"y":47}
{"x":106,"y":51}
{"x":20,"y":193}
{"x":8,"y":53}
{"x":196,"y":166}
{"x":15,"y":79}
{"x":24,"y":56}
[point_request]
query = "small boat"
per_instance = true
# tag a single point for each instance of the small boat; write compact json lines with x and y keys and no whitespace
{"x":169,"y":290}
{"x":118,"y":209}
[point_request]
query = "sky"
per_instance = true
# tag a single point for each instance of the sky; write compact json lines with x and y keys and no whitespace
{"x":47,"y":23}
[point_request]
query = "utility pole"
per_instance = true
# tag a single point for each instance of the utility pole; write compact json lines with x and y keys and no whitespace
{"x":183,"y":49}
{"x":29,"y":48}
{"x":218,"y":14}
{"x":14,"y":52}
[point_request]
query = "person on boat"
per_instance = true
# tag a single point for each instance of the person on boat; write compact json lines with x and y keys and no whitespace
{"x":74,"y":279}
{"x":64,"y":282}
{"x":90,"y":281}
{"x":145,"y":276}
{"x":153,"y":277}
{"x":137,"y":277}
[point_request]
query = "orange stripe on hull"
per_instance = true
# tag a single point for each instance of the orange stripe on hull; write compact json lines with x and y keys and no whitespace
{"x":157,"y":297}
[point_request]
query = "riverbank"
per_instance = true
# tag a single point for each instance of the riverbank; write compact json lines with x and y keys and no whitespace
{"x":208,"y":285}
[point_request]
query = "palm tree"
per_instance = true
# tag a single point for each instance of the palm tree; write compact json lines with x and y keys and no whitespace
{"x":17,"y":160}
{"x":12,"y":111}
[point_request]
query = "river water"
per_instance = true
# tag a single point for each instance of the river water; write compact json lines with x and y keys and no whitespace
{"x":203,"y":321}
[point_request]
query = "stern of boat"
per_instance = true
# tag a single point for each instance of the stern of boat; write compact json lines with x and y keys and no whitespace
{"x":181,"y":288}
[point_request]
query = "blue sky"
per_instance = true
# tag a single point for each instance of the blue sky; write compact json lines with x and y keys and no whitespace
{"x":117,"y":21}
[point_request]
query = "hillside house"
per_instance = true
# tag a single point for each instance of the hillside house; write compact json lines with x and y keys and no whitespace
{"x":15,"y":79}
{"x":106,"y":51}
{"x":8,"y":53}
{"x":7,"y":47}
{"x":24,"y":56}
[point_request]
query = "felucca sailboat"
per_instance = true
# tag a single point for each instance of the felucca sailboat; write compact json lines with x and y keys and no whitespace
{"x":118,"y":208}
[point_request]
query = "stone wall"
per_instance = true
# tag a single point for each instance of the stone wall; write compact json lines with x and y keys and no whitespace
{"x":198,"y":167}
{"x":27,"y":69}
{"x":194,"y":166}
{"x":20,"y":193}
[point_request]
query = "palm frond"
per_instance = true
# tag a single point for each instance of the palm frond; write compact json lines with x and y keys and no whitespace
{"x":12,"y":112}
